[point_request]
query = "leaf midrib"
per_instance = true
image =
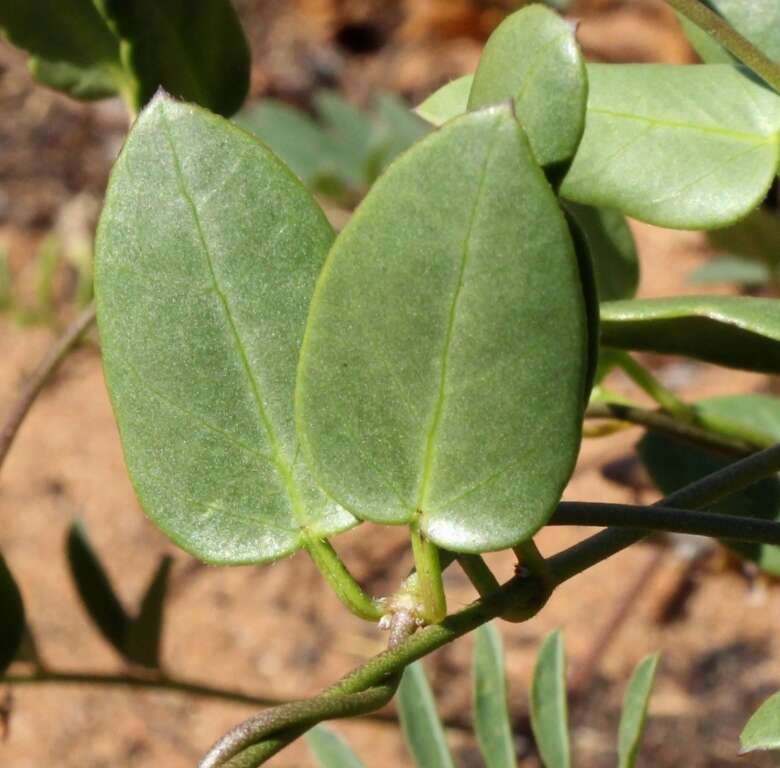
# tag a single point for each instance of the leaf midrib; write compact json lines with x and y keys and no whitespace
{"x":753,"y":138}
{"x":430,"y":446}
{"x":278,"y":458}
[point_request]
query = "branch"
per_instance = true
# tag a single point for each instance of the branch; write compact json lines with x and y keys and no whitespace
{"x":51,"y":361}
{"x":730,"y":39}
{"x":657,"y":421}
{"x":731,"y":479}
{"x":656,"y":518}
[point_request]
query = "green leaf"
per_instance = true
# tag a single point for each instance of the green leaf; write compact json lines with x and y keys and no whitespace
{"x":420,"y":722}
{"x":330,"y":750}
{"x":418,"y":399}
{"x":634,"y":714}
{"x":399,"y":127}
{"x":673,"y":464}
{"x":95,"y":588}
{"x":734,"y":331}
{"x":532,"y":58}
{"x":731,"y":269}
{"x":762,"y":731}
{"x":491,"y":716}
{"x":549,"y":719}
{"x":144,"y":635}
{"x":757,"y":20}
{"x":692,"y":147}
{"x":451,"y":100}
{"x":612,"y":248}
{"x":12,"y":618}
{"x":293,"y":136}
{"x":755,"y":237}
{"x":195,"y":51}
{"x":353,"y":137}
{"x":207,"y":253}
{"x":70,"y":44}
{"x":590,"y":295}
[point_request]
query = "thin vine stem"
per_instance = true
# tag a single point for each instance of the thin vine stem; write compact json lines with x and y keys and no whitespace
{"x":656,"y":518}
{"x":665,"y":424}
{"x":716,"y":26}
{"x":48,"y":365}
{"x":259,"y":737}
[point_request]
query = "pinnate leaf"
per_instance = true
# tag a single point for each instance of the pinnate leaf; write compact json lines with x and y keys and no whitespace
{"x":207,"y":254}
{"x":417,"y":397}
{"x":491,"y":716}
{"x":420,"y":721}
{"x":634,"y":713}
{"x":735,"y":331}
{"x":549,"y":717}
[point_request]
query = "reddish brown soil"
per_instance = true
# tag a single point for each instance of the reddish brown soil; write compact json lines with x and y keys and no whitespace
{"x":277,"y":631}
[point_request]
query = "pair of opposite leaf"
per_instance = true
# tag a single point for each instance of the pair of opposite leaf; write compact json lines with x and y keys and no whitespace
{"x":447,"y":336}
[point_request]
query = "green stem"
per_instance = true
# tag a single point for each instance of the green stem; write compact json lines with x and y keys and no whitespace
{"x":730,"y":39}
{"x":480,"y":576}
{"x":648,"y":383}
{"x":654,"y":518}
{"x":667,"y":425}
{"x":429,"y":582}
{"x":342,"y":582}
{"x":272,"y":729}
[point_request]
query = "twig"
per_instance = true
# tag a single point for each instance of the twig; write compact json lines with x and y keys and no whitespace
{"x":32,"y":388}
{"x":665,"y":424}
{"x":730,"y":39}
{"x":657,"y":518}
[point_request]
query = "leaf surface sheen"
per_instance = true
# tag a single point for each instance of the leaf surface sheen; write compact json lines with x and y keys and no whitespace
{"x":207,"y":255}
{"x":692,"y":147}
{"x":532,"y":57}
{"x":446,"y":336}
{"x":449,"y":101}
{"x":734,"y":331}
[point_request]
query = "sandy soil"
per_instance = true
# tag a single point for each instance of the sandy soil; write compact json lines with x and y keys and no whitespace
{"x":277,"y":631}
